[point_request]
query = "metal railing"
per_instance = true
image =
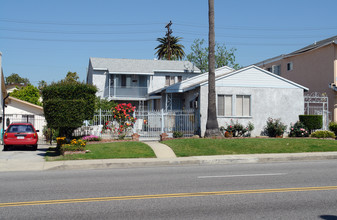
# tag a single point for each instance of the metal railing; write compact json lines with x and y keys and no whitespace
{"x":149,"y":124}
{"x":123,"y":91}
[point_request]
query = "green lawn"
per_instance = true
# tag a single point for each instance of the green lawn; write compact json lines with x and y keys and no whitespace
{"x":107,"y":151}
{"x":200,"y":147}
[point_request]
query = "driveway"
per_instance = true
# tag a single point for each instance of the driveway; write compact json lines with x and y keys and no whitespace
{"x":22,"y":158}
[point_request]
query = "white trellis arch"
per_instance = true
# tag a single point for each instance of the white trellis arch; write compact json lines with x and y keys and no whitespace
{"x":317,"y":104}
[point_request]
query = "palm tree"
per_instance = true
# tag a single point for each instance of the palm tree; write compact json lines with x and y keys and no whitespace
{"x":170,"y":49}
{"x":212,"y":127}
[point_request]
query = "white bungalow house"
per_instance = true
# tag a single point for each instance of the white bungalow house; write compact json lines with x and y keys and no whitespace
{"x":249,"y":94}
{"x":17,"y":110}
{"x":131,"y":80}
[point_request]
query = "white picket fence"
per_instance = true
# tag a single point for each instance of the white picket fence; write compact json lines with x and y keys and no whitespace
{"x":149,"y":124}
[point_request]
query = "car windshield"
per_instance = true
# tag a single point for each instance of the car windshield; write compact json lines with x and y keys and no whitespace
{"x":20,"y":128}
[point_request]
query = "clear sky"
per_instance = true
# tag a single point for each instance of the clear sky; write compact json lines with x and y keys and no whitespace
{"x":43,"y":39}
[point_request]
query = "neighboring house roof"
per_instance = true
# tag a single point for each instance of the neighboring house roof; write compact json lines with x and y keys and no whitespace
{"x":316,"y":45}
{"x":234,"y":80}
{"x":26,"y":103}
{"x":133,"y":66}
{"x":190,"y":83}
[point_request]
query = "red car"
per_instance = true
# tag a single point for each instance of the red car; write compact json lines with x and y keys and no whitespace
{"x":20,"y":134}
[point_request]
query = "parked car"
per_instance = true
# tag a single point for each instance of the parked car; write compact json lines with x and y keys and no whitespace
{"x":20,"y":134}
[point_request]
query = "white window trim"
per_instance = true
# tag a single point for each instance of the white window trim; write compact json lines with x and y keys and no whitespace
{"x":250,"y":106}
{"x":234,"y":106}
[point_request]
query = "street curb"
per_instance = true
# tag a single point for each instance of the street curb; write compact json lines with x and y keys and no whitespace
{"x":196,"y":160}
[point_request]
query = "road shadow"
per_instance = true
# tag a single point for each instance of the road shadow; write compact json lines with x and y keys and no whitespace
{"x":328,"y":217}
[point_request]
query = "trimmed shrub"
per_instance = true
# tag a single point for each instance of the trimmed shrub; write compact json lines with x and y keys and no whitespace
{"x":178,"y":134}
{"x":323,"y":134}
{"x":275,"y":127}
{"x":298,"y":130}
{"x":312,"y":122}
{"x":333,"y":127}
{"x":67,"y":105}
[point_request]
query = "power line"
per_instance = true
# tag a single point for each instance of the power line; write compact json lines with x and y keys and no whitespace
{"x":233,"y":27}
{"x":75,"y":24}
{"x":77,"y":32}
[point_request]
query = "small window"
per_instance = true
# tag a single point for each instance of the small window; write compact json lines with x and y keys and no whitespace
{"x":180,"y":78}
{"x":167,"y":80}
{"x":172,"y":80}
{"x":225,"y":105}
{"x":242,"y":105}
{"x":276,"y":69}
{"x":289,"y":66}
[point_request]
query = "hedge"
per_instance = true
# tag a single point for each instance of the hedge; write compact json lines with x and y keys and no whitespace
{"x":67,"y":105}
{"x":333,"y":127}
{"x":312,"y":122}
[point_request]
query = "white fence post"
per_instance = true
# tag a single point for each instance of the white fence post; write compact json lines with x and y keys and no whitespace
{"x":162,"y":121}
{"x":100,"y":116}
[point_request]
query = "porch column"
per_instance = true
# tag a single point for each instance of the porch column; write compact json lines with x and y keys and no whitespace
{"x":335,"y":109}
{"x":109,"y":85}
{"x":115,"y":84}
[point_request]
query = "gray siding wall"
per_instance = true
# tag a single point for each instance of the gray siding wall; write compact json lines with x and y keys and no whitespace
{"x":284,"y":103}
{"x":99,"y":79}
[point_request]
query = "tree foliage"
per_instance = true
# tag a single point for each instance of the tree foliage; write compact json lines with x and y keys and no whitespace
{"x":104,"y":104}
{"x":27,"y":93}
{"x":67,"y":104}
{"x":223,"y":56}
{"x":41,"y":84}
{"x":71,"y":77}
{"x":170,"y":49}
{"x":14,"y":78}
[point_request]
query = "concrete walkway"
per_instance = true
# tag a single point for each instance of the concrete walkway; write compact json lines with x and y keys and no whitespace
{"x":161,"y":150}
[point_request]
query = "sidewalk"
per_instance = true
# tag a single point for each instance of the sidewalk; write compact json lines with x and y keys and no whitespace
{"x":165,"y":157}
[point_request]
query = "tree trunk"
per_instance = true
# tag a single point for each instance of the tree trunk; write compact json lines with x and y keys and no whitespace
{"x":212,"y":127}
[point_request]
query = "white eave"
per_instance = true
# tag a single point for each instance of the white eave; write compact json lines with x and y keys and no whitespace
{"x":131,"y":73}
{"x":177,"y":71}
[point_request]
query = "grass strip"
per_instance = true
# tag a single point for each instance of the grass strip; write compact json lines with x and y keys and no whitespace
{"x":107,"y":151}
{"x":204,"y":147}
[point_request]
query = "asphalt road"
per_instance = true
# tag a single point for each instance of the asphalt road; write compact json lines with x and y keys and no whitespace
{"x":290,"y":190}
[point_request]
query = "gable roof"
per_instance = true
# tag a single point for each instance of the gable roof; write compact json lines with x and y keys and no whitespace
{"x":141,"y":66}
{"x":191,"y":83}
{"x":25,"y":103}
{"x":316,"y":45}
{"x":242,"y":82}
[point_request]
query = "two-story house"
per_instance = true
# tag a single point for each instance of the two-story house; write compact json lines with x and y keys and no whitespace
{"x":314,"y":66}
{"x":131,"y":80}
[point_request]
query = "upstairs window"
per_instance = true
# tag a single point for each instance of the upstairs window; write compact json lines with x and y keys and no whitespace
{"x":289,"y":66}
{"x":276,"y":69}
{"x":169,"y":80}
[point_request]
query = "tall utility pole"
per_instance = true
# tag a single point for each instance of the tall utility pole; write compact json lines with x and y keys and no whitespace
{"x":168,"y":33}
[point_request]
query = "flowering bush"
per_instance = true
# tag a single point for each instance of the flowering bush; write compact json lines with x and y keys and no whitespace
{"x":91,"y":138}
{"x":298,"y":130}
{"x":74,"y":145}
{"x":123,"y":119}
{"x":237,"y":129}
{"x":60,"y":141}
{"x":275,"y":127}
